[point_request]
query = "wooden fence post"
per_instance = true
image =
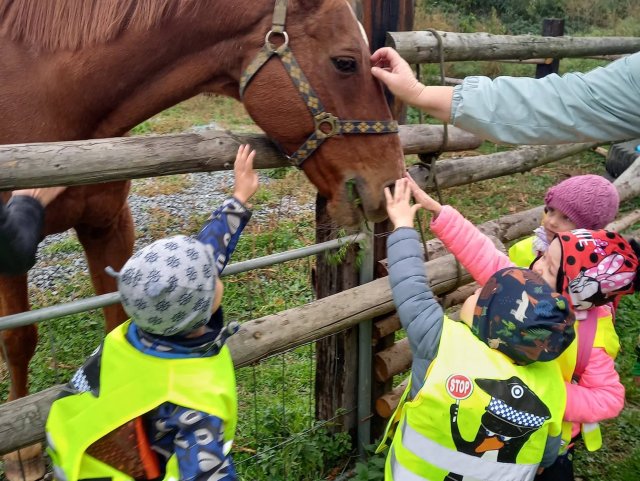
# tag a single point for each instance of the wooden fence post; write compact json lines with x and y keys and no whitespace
{"x":551,"y":27}
{"x":378,"y":18}
{"x":337,"y":356}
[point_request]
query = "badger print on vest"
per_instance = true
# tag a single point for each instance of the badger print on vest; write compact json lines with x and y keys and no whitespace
{"x":512,"y":415}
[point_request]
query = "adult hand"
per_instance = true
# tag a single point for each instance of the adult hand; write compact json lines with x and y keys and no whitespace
{"x":400,"y":211}
{"x":422,"y":198}
{"x":390,"y":68}
{"x":246,"y":179}
{"x":44,"y":195}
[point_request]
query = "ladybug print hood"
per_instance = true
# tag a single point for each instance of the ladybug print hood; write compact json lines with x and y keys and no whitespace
{"x":597,"y":267}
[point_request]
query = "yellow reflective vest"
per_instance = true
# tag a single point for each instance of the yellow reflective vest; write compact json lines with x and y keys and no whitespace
{"x":477,"y":415}
{"x":132,"y":384}
{"x":521,"y":253}
{"x":606,"y":338}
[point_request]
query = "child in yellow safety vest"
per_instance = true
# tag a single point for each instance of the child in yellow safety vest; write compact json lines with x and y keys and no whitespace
{"x":593,"y":269}
{"x":157,"y":399}
{"x":484,"y":400}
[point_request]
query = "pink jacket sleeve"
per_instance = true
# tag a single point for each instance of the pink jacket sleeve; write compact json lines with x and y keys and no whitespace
{"x":599,"y":395}
{"x":474,"y":250}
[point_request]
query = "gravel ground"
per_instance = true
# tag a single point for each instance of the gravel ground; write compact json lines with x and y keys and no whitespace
{"x":205,"y":193}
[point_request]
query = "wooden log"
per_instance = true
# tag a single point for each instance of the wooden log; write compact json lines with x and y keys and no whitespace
{"x":392,"y":361}
{"x":22,"y":421}
{"x":422,"y":47}
{"x":530,"y":61}
{"x":415,"y":138}
{"x":459,"y":295}
{"x":386,"y":404}
{"x":601,"y":151}
{"x":628,"y":184}
{"x":466,"y":170}
{"x":625,"y":222}
{"x":103,"y":160}
{"x":385,"y":326}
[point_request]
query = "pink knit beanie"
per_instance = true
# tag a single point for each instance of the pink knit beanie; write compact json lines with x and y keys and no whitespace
{"x":589,"y":201}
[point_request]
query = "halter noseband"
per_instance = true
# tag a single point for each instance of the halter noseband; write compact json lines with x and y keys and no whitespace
{"x":322,"y":119}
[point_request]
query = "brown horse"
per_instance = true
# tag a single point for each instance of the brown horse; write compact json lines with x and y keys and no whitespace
{"x":81,"y":69}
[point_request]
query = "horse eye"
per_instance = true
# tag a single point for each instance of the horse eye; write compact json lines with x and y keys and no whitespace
{"x":345,"y":64}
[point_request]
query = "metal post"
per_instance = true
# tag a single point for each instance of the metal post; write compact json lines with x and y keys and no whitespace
{"x":365,"y":352}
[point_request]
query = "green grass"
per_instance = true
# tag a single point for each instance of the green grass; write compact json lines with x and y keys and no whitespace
{"x":68,"y":245}
{"x":276,"y":397}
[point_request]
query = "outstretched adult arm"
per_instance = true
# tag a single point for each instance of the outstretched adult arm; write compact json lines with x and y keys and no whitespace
{"x":600,"y":105}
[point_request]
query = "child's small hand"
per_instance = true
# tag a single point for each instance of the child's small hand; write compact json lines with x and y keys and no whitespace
{"x":422,"y":198}
{"x":400,"y":211}
{"x":246,"y":179}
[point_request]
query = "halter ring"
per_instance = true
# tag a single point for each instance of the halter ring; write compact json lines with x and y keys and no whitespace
{"x":271,"y":47}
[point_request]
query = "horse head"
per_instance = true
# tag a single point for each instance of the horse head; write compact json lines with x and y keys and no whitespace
{"x":307,"y":84}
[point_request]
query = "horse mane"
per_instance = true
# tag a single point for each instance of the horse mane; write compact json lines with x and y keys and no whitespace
{"x":72,"y":24}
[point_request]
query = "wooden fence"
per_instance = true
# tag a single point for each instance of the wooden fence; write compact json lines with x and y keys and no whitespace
{"x":22,"y":421}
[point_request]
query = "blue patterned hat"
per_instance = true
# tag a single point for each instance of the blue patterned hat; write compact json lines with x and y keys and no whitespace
{"x":167,"y":288}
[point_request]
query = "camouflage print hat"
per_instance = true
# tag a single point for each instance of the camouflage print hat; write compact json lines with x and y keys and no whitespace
{"x":519,"y":315}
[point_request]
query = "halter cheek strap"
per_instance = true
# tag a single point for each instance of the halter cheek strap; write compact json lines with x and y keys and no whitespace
{"x":326,"y":124}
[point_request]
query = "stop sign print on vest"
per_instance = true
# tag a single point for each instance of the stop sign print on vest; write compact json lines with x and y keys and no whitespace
{"x":459,"y":386}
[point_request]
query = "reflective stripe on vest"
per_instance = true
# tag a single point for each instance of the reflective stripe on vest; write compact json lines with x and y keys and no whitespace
{"x":466,"y":382}
{"x":204,"y":384}
{"x":461,"y":463}
{"x":400,"y":473}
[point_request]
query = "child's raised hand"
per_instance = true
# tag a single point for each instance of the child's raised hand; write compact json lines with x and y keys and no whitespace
{"x":422,"y":198}
{"x":400,"y":211}
{"x":246,"y":179}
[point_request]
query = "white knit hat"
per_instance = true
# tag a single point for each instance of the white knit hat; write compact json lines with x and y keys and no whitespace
{"x":167,"y":288}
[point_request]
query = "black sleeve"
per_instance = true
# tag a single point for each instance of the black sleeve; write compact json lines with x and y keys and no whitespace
{"x":20,"y":232}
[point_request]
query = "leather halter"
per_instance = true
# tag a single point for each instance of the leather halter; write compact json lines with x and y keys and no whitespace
{"x":326,"y":124}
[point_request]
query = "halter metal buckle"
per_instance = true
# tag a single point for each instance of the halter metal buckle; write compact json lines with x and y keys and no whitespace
{"x":326,"y":119}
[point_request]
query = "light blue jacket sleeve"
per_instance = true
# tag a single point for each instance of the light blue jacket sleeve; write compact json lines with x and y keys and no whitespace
{"x":420,"y":314}
{"x":601,"y":105}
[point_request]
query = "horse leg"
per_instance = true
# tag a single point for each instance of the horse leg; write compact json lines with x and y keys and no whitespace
{"x":108,"y":246}
{"x":17,"y":347}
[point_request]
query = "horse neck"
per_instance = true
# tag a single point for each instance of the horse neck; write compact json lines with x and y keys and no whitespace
{"x":105,"y":90}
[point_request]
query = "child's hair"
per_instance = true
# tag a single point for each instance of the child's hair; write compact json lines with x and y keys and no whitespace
{"x":597,"y":267}
{"x":589,"y":201}
{"x":167,"y":287}
{"x":518,"y":314}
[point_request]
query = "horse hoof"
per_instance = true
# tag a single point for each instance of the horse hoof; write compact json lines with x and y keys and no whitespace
{"x":26,"y":464}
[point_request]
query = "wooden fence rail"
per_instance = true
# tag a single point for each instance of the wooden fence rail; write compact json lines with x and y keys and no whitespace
{"x":422,"y":47}
{"x":22,"y":421}
{"x":104,"y":160}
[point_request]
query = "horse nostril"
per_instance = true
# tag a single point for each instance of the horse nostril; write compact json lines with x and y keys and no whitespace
{"x":391,"y":186}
